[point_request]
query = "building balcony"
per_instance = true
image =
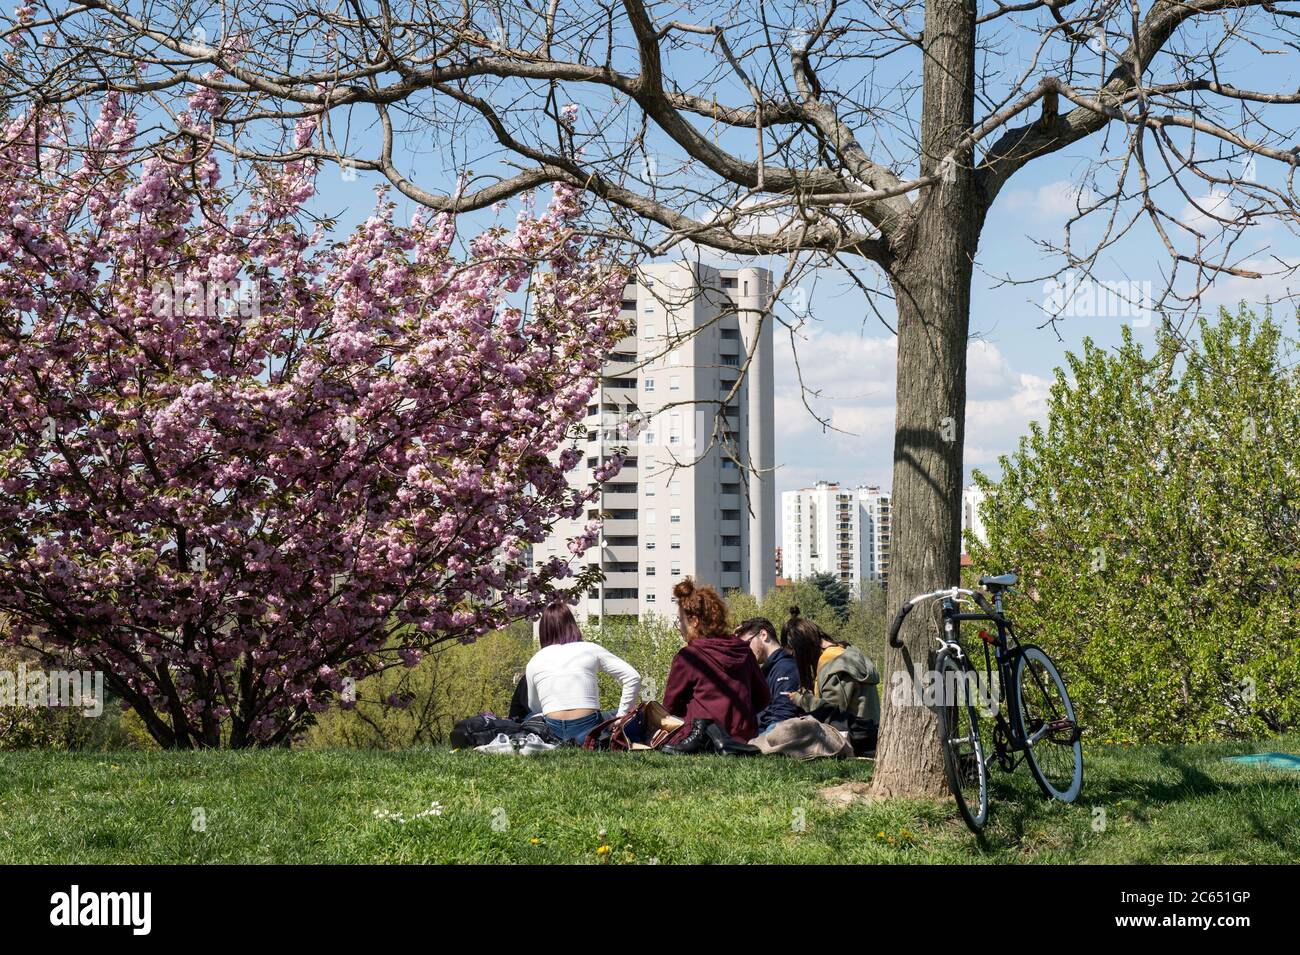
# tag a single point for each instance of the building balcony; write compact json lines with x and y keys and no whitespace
{"x":729,"y":554}
{"x":619,"y":500}
{"x":729,"y":528}
{"x":729,"y":580}
{"x":617,"y":607}
{"x":621,"y":361}
{"x":729,"y":475}
{"x":621,"y":579}
{"x":620,"y":553}
{"x":620,"y":527}
{"x":729,"y":502}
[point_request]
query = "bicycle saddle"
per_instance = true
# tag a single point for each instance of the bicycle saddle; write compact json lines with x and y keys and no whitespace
{"x":1001,"y":580}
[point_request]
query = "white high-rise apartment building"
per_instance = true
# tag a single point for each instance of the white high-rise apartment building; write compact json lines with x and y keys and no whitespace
{"x":972,"y":523}
{"x":830,"y":528}
{"x":877,"y":532}
{"x":680,"y":507}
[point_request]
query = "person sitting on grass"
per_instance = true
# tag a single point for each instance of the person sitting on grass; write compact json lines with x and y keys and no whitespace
{"x":561,"y":676}
{"x":714,"y":678}
{"x":779,"y":669}
{"x":837,"y":681}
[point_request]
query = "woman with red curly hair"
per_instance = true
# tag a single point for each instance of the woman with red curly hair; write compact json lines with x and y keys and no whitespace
{"x":714,"y":677}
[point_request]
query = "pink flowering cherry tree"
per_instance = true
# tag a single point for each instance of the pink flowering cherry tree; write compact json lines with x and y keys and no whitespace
{"x":242,"y":468}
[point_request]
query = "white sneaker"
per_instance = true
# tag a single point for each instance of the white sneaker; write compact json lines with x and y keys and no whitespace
{"x":534,"y":744}
{"x":501,"y":744}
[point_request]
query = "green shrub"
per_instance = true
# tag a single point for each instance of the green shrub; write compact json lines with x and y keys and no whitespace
{"x":449,"y":684}
{"x":63,"y":728}
{"x":1154,"y":522}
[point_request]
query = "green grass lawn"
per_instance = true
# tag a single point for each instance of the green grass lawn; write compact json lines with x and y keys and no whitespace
{"x":1161,"y":805}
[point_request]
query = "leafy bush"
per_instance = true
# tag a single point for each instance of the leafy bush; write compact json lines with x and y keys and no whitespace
{"x":62,"y":728}
{"x":1154,"y":522}
{"x":419,"y":706}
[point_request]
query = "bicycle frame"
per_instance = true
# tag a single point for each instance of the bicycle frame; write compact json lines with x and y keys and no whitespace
{"x":999,"y":654}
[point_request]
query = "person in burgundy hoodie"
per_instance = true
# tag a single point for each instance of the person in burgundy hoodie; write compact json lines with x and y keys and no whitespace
{"x":714,"y":676}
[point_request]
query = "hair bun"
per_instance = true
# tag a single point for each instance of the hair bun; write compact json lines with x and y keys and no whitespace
{"x":794,"y":612}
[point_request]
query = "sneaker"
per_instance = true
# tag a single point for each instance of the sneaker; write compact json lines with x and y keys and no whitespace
{"x":534,"y":744}
{"x":502,"y":744}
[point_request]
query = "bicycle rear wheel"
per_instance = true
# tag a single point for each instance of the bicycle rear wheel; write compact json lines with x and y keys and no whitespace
{"x":963,"y":752}
{"x":1046,"y":723}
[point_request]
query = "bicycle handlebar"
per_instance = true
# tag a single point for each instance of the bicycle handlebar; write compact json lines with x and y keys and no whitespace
{"x":897,"y":625}
{"x":950,"y":592}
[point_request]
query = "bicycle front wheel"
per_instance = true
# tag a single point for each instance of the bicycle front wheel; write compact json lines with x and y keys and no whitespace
{"x":963,"y":752}
{"x":1045,"y":719}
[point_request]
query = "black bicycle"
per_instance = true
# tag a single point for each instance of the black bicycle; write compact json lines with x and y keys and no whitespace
{"x":1038,"y":726}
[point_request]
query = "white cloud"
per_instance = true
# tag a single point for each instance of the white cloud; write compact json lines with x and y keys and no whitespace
{"x":1054,"y":200}
{"x":1204,"y":213}
{"x":855,"y":374}
{"x":1280,"y":281}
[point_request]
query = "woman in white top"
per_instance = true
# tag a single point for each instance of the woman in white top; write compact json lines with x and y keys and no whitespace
{"x":562,"y":676}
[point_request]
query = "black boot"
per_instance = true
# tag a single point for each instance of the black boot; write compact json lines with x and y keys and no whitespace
{"x":726,"y":745}
{"x":696,"y":741}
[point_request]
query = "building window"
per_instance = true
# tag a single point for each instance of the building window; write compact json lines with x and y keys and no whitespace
{"x":649,"y":598}
{"x":675,"y":516}
{"x":649,"y":543}
{"x":674,"y":382}
{"x":728,"y":282}
{"x":649,"y":490}
{"x":731,"y":360}
{"x":649,"y":384}
{"x":649,"y":517}
{"x":649,"y":570}
{"x":675,"y":569}
{"x":675,"y":488}
{"x":675,"y":542}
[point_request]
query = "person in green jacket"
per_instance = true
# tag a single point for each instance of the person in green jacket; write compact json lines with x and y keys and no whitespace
{"x":831,"y":672}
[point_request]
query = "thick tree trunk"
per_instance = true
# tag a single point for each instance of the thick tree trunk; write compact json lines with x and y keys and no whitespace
{"x":931,"y":276}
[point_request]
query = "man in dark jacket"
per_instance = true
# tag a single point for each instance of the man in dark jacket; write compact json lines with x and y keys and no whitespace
{"x":779,"y":669}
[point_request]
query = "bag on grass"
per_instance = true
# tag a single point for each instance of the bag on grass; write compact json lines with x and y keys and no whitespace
{"x":648,"y":726}
{"x":482,"y":729}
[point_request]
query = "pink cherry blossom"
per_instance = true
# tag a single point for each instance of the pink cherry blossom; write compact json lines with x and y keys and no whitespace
{"x":242,"y":467}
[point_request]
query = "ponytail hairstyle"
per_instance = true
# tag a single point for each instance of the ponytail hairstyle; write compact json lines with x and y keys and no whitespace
{"x":803,"y":639}
{"x":704,"y":611}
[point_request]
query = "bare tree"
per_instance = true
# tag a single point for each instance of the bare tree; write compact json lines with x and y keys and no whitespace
{"x":869,"y":135}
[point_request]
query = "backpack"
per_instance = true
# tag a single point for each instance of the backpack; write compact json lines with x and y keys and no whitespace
{"x":484,"y":728}
{"x":481,"y":729}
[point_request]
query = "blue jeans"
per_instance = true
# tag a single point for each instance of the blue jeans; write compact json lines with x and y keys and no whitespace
{"x":575,"y":729}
